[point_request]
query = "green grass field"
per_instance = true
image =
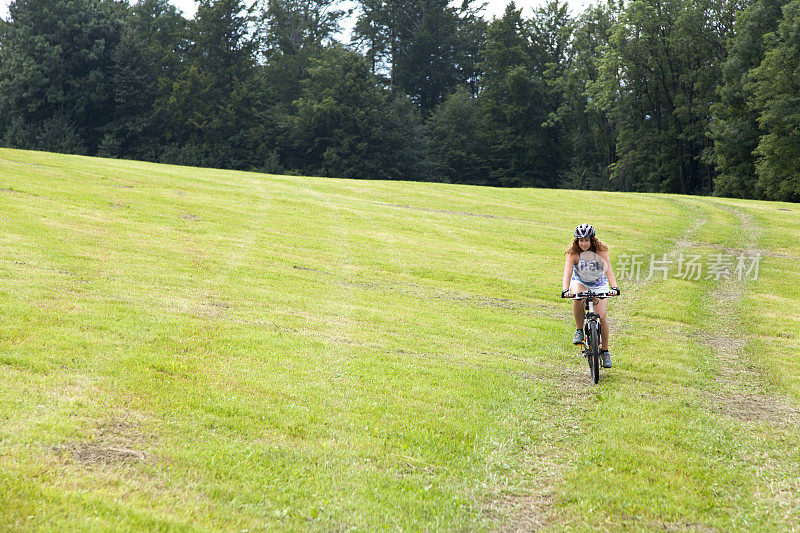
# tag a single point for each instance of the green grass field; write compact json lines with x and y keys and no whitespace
{"x":191,"y":349}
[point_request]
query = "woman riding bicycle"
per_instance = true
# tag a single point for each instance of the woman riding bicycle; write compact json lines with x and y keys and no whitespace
{"x":588,"y":267}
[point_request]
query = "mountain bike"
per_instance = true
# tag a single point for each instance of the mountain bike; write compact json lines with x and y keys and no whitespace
{"x":591,"y":328}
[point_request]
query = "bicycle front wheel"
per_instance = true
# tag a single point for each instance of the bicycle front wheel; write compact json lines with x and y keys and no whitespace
{"x":594,"y":352}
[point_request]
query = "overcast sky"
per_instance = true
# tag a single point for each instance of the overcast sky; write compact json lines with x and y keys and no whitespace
{"x":494,"y":7}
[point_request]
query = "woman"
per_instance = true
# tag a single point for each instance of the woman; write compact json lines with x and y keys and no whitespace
{"x":588,"y":267}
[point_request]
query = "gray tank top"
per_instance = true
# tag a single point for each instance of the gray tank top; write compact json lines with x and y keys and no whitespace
{"x":589,"y":271}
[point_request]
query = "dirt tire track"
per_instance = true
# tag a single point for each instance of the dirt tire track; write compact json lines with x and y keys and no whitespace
{"x":534,"y":510}
{"x":547,"y":462}
{"x":741,"y":387}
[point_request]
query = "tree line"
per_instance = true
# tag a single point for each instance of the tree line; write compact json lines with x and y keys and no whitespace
{"x":682,"y":96}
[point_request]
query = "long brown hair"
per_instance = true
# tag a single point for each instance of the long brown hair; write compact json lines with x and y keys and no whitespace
{"x":597,"y":246}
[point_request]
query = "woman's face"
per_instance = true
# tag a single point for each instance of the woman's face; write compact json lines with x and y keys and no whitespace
{"x":585,"y":243}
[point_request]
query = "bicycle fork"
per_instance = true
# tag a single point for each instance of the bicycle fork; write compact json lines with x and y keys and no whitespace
{"x":591,"y":319}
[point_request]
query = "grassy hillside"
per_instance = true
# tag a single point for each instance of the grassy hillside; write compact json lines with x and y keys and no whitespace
{"x":196,"y":349}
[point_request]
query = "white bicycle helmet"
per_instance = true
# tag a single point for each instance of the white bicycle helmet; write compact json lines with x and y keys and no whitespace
{"x":584,"y":231}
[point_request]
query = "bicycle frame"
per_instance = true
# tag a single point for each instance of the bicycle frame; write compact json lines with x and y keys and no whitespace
{"x":589,"y":316}
{"x":591,"y":324}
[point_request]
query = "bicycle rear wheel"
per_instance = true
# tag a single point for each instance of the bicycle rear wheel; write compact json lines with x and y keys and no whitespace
{"x":594,"y":352}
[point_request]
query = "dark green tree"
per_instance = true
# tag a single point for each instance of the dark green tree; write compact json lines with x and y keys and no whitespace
{"x":660,"y":73}
{"x":373,"y":35}
{"x":348,"y":126}
{"x":210,"y":110}
{"x":518,"y":101}
{"x":776,"y":95}
{"x":472,"y":30}
{"x":459,"y":140}
{"x":734,"y":128}
{"x":165,"y":30}
{"x":588,"y":136}
{"x":56,"y":72}
{"x":427,"y":47}
{"x":426,"y":67}
{"x":147,"y":62}
{"x":292,"y":33}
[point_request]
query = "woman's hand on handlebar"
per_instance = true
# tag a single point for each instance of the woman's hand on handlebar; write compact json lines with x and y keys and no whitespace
{"x":566,"y":294}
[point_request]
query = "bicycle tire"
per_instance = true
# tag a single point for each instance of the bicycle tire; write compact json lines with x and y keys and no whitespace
{"x":594,"y":353}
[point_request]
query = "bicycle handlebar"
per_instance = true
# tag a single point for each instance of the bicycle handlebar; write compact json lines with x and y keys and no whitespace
{"x":590,"y":294}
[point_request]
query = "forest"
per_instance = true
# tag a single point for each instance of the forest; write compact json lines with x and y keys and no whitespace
{"x":672,"y":96}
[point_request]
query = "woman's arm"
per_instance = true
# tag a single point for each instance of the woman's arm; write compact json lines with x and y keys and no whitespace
{"x":612,"y":279}
{"x":569,"y":262}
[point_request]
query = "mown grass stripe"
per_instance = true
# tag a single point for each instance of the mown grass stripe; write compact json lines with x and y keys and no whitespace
{"x":277,"y":352}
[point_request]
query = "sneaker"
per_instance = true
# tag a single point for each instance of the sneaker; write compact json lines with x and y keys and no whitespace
{"x":606,"y":358}
{"x":578,"y":338}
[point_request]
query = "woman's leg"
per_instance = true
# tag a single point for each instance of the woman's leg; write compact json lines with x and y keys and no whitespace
{"x":577,"y":305}
{"x":601,"y":308}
